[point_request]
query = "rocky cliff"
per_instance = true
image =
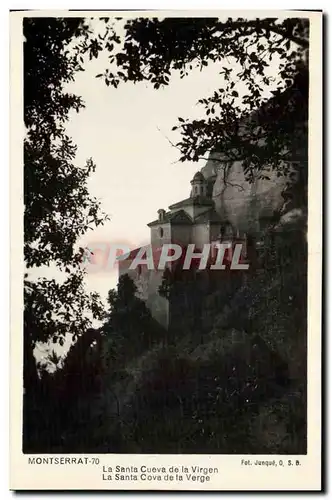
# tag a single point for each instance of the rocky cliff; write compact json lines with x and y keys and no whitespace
{"x":250,"y":206}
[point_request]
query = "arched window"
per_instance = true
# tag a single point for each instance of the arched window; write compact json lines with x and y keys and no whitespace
{"x":161,"y":232}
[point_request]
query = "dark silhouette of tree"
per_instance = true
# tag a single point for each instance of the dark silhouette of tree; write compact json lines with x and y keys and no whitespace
{"x":63,"y":400}
{"x":130,"y":327}
{"x":57,"y":206}
{"x":240,"y":120}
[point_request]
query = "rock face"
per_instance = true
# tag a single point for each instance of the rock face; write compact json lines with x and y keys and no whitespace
{"x":249,"y":207}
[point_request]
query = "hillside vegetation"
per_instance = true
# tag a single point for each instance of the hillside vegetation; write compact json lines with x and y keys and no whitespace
{"x":235,"y":384}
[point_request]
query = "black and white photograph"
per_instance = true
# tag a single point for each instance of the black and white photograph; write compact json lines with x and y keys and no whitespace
{"x":166,"y":182}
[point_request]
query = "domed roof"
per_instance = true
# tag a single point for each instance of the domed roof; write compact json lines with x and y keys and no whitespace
{"x":198,"y":177}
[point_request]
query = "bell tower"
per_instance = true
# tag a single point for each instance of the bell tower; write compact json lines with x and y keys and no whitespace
{"x":198,"y":185}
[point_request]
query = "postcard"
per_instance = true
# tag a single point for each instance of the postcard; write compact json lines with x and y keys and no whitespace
{"x":166,"y":250}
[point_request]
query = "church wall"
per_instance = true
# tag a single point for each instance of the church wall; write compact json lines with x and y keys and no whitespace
{"x":201,"y":234}
{"x":182,"y":234}
{"x":156,"y":238}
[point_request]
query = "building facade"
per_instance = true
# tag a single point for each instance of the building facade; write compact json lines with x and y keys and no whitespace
{"x":193,"y":220}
